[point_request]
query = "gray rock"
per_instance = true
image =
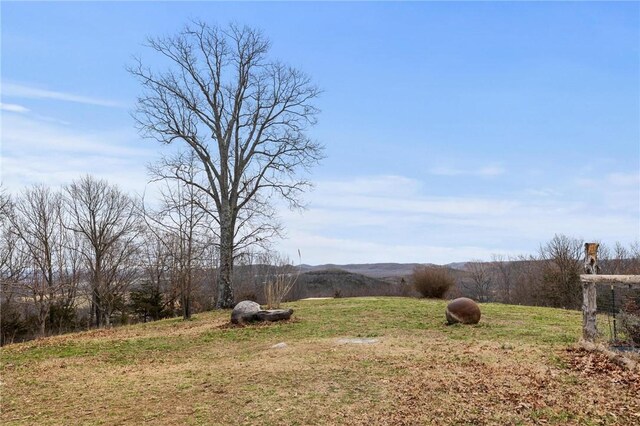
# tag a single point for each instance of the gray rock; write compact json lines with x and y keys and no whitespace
{"x":272,"y":315}
{"x":248,"y":311}
{"x":280,"y":345}
{"x":244,"y":311}
{"x":357,"y":341}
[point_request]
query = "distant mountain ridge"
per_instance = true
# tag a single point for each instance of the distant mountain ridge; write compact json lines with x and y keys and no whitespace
{"x":350,"y":280}
{"x":376,"y":270}
{"x":335,"y":282}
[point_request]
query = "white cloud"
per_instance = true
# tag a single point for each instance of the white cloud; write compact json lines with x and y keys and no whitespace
{"x":363,"y":219}
{"x":22,"y":91}
{"x":609,"y":180}
{"x":623,"y":179}
{"x":40,"y":152}
{"x":19,"y":109}
{"x":58,"y":169}
{"x":13,"y":108}
{"x":486,"y":171}
{"x":314,"y":249}
{"x":542,"y":192}
{"x":490,"y":171}
{"x":22,"y":134}
{"x":349,"y":221}
{"x":398,"y":194}
{"x":611,"y":191}
{"x":372,"y":185}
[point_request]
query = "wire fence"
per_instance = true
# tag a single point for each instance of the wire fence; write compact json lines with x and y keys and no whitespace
{"x":618,"y":316}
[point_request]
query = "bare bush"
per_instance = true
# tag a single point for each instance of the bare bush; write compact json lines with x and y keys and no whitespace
{"x":431,"y":281}
{"x":630,"y":321}
{"x":280,"y":281}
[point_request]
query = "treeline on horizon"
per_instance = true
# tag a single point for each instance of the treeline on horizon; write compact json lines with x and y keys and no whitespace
{"x":550,"y":277}
{"x":89,"y":255}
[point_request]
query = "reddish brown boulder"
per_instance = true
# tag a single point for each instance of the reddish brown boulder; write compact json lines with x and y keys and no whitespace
{"x":463,"y":310}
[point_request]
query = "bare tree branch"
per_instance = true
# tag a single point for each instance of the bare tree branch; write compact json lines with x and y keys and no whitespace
{"x":244,"y":118}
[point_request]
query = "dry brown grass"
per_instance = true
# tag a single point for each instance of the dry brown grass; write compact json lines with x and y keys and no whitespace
{"x":419,"y":372}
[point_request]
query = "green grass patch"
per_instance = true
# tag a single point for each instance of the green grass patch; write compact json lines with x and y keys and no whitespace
{"x":419,"y":370}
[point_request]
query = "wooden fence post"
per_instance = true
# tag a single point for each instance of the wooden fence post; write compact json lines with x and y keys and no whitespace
{"x":589,"y":309}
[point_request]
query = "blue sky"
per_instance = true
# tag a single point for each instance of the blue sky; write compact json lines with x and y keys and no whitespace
{"x":452,"y":130}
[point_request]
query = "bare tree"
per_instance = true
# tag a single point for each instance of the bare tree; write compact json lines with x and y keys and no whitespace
{"x":5,"y":204}
{"x":181,"y":224}
{"x":71,"y":274}
{"x":12,"y":257}
{"x":505,"y":275}
{"x":562,"y":264}
{"x":36,"y":221}
{"x":618,"y":260}
{"x":245,"y":118}
{"x":481,"y":281}
{"x":106,"y":219}
{"x":13,"y":267}
{"x":634,"y":254}
{"x":527,"y":280}
{"x":249,"y":275}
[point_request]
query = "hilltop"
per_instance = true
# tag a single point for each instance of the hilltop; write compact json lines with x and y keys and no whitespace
{"x":517,"y":366}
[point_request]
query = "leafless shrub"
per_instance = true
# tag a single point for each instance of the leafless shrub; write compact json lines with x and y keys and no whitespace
{"x":280,"y":281}
{"x":630,"y":321}
{"x":431,"y":281}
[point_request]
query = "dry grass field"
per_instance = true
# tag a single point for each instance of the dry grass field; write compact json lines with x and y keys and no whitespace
{"x":518,"y":366}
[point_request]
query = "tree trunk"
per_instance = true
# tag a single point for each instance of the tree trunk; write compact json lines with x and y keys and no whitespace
{"x":97,"y":289}
{"x":96,"y":306}
{"x":92,"y":311}
{"x":225,"y":271}
{"x":186,"y":285}
{"x":186,"y":312}
{"x":225,"y":282}
{"x":185,"y":299}
{"x":42,"y":319}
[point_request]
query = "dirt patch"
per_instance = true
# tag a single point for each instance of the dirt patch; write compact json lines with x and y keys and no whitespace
{"x":264,"y":324}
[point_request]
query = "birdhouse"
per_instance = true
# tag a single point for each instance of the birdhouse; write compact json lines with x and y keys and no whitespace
{"x":591,"y":258}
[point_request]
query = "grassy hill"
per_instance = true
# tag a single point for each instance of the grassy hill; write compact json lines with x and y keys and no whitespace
{"x":512,"y":368}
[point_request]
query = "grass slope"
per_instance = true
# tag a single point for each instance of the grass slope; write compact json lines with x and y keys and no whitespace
{"x":512,"y":368}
